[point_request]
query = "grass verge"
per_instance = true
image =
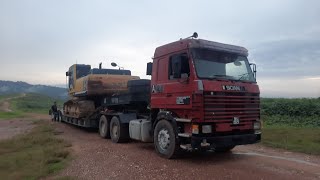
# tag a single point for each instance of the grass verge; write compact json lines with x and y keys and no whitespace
{"x":31,"y":103}
{"x":10,"y":115}
{"x":302,"y":139}
{"x":33,"y":155}
{"x":34,"y":103}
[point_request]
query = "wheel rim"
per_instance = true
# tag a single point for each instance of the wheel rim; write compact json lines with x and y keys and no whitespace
{"x":102,"y":127}
{"x":163,"y":139}
{"x":115,"y":130}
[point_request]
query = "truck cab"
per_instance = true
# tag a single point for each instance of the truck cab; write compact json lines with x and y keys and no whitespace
{"x":204,"y":95}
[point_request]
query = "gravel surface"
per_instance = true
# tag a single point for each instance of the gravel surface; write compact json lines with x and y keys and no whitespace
{"x":10,"y":128}
{"x":97,"y":158}
{"x":15,"y":126}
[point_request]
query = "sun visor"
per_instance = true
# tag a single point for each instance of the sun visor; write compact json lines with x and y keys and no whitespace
{"x":200,"y":43}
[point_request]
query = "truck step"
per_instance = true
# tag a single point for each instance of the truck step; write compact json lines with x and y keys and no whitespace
{"x":183,"y":120}
{"x":186,"y":147}
{"x":187,"y":135}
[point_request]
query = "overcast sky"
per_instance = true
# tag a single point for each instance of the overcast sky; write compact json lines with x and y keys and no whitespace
{"x":40,"y":39}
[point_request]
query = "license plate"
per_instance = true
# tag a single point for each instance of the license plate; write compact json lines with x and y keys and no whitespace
{"x":236,"y":121}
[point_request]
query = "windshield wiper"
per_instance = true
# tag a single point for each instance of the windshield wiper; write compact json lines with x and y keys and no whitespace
{"x":220,"y":76}
{"x":243,"y":75}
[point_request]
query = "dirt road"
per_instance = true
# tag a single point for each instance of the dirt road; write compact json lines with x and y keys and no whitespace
{"x":97,"y":158}
{"x":5,"y":104}
{"x":12,"y":127}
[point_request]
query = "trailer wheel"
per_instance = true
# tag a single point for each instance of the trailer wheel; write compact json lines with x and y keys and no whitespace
{"x":119,"y":132}
{"x":224,"y":149}
{"x":104,"y":129}
{"x":164,"y":140}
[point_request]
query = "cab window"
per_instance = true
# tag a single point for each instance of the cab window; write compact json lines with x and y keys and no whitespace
{"x":178,"y":66}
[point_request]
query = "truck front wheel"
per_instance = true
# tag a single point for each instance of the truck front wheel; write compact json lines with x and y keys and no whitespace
{"x":165,"y":140}
{"x":104,"y":129}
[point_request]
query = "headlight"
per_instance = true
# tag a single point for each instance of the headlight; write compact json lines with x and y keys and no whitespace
{"x":257,"y":125}
{"x":195,"y":129}
{"x":206,"y":129}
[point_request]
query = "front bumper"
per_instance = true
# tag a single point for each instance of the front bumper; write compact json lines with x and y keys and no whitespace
{"x":223,"y":141}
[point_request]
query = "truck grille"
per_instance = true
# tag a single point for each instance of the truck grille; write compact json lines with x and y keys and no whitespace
{"x":222,"y":107}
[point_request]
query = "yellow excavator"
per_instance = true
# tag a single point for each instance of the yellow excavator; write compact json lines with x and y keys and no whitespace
{"x":87,"y":86}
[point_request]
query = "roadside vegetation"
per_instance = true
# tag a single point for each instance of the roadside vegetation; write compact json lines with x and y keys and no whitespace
{"x":33,"y":155}
{"x":2,"y":97}
{"x":30,"y":103}
{"x":10,"y":115}
{"x":34,"y":103}
{"x":292,"y":124}
{"x":38,"y":153}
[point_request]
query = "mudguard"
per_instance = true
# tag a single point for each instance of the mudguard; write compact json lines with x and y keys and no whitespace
{"x":167,"y":115}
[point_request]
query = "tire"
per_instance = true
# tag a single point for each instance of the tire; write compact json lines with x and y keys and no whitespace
{"x":104,"y":129}
{"x":164,"y":140}
{"x":224,"y":149}
{"x":119,"y":132}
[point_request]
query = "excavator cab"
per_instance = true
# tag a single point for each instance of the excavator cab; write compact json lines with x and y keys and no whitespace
{"x":75,"y":72}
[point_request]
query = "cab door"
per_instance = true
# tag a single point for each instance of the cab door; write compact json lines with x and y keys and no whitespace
{"x":177,"y":89}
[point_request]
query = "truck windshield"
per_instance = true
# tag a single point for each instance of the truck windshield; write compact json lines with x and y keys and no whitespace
{"x":211,"y":64}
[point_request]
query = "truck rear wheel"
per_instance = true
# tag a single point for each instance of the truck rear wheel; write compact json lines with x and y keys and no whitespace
{"x":104,"y":129}
{"x":119,"y":132}
{"x":165,"y":140}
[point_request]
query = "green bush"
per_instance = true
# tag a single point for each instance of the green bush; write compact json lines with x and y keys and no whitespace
{"x":293,"y":112}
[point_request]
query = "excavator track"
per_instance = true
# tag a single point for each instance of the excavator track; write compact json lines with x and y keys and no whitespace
{"x":78,"y":112}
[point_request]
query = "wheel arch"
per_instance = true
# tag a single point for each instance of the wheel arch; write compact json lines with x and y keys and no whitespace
{"x":168,"y":116}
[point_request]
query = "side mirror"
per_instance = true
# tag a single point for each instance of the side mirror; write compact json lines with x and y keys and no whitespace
{"x":149,"y":68}
{"x":254,"y":69}
{"x":113,"y":64}
{"x":67,"y":73}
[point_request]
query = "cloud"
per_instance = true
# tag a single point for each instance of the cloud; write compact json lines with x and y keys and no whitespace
{"x":289,"y":87}
{"x":288,"y":58}
{"x":39,"y":40}
{"x":313,"y":78}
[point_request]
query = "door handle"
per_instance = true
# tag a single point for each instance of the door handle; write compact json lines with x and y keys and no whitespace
{"x":168,"y":95}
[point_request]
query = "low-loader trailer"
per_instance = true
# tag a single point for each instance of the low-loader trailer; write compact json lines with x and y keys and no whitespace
{"x":202,"y":95}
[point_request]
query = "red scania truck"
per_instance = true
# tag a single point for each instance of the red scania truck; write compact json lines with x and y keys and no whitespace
{"x":202,"y":95}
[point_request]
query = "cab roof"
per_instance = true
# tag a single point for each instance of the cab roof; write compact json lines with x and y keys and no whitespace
{"x":198,"y":43}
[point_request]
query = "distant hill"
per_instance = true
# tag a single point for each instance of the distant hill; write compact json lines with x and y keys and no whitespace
{"x":10,"y":87}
